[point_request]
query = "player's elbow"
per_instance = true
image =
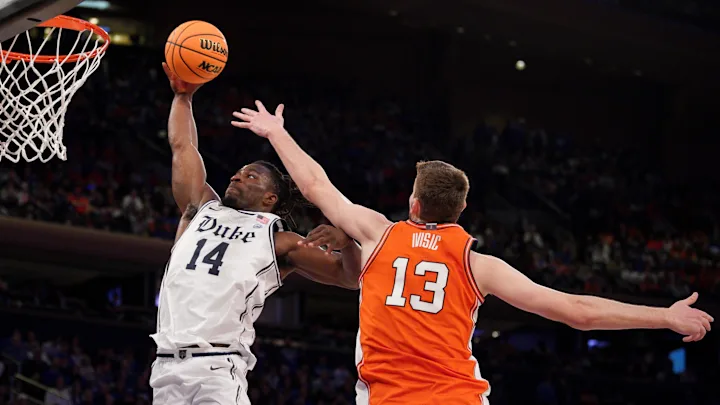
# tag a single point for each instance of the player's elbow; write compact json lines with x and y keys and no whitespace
{"x":178,"y":145}
{"x":578,"y":315}
{"x":349,"y":276}
{"x":312,"y":190}
{"x":352,"y":283}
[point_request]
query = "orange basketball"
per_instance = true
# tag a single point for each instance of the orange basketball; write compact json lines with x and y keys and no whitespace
{"x":196,"y":51}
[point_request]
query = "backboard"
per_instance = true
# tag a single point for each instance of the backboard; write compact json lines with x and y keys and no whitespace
{"x":17,"y":16}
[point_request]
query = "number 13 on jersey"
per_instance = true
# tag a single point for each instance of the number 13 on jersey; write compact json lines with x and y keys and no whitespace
{"x":437,"y":287}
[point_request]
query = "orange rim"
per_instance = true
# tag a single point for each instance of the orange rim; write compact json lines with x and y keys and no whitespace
{"x":68,"y":23}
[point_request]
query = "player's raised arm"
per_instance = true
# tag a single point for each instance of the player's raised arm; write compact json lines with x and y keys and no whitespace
{"x":585,"y":312}
{"x":361,"y":223}
{"x":188,"y":170}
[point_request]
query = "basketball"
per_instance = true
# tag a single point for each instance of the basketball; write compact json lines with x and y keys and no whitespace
{"x":196,"y":51}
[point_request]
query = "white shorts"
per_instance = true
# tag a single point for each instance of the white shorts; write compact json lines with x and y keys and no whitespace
{"x":194,"y":377}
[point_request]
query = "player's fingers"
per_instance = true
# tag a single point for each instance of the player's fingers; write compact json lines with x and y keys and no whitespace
{"x":279,"y":110}
{"x":705,"y":324}
{"x":321,"y":239}
{"x":688,"y":339}
{"x":242,"y":116}
{"x":240,"y":124}
{"x":331,"y":247}
{"x":691,"y":299}
{"x":699,"y":332}
{"x":249,"y":112}
{"x":312,"y":238}
{"x":260,"y":106}
{"x":706,"y":316}
{"x":168,"y":72}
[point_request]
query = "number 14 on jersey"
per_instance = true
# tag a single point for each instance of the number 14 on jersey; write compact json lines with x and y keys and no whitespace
{"x":437,"y":287}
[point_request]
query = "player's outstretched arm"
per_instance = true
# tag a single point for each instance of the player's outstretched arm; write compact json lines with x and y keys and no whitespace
{"x":322,"y":266}
{"x":188,"y":170}
{"x":585,"y":312}
{"x":361,"y":223}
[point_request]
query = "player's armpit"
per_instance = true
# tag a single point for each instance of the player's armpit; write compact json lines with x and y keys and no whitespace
{"x":315,"y":264}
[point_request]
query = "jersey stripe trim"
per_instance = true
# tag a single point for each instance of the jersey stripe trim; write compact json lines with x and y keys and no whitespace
{"x":263,"y":270}
{"x":376,"y":250}
{"x":272,"y":246}
{"x":468,"y":271}
{"x":247,"y":300}
{"x":438,"y":226}
{"x":362,"y":396}
{"x":367,"y":384}
{"x":473,"y":322}
{"x":477,"y":375}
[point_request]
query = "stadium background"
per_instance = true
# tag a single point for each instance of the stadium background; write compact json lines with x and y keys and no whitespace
{"x":592,"y":170}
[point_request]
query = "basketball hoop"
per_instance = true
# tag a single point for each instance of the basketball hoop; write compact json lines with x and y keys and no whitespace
{"x":35,"y":89}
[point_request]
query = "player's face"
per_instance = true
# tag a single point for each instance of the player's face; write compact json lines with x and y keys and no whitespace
{"x":250,"y":189}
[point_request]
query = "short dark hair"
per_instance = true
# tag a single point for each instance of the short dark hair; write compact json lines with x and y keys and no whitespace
{"x":441,"y":189}
{"x":289,"y":196}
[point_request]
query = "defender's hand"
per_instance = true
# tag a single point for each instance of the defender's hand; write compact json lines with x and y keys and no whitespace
{"x":179,"y":86}
{"x":261,"y":121}
{"x":326,"y":235}
{"x":690,"y":322}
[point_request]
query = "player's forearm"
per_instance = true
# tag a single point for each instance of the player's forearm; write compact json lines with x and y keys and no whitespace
{"x":334,"y":273}
{"x":605,"y":314}
{"x":188,"y":169}
{"x":182,"y":131}
{"x":303,"y":169}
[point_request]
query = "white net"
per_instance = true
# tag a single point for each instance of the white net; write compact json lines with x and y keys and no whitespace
{"x":35,"y":90}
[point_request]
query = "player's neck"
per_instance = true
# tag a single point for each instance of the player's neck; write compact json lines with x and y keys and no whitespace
{"x":417,"y":220}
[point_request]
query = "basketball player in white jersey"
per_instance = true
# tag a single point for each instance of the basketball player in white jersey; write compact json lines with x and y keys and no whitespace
{"x":229,"y":255}
{"x":439,"y":197}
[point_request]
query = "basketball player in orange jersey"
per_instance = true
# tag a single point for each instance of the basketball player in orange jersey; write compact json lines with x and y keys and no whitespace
{"x":422,"y":284}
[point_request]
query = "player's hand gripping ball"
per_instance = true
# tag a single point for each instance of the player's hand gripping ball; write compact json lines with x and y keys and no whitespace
{"x":196,"y":52}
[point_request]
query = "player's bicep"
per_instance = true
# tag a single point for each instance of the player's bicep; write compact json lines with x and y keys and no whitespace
{"x":360,"y":223}
{"x":495,"y":277}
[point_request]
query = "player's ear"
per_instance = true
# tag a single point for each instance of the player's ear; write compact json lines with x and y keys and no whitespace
{"x":270,"y":199}
{"x":415,"y":207}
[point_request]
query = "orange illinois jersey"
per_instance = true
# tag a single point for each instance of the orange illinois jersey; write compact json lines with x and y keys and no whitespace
{"x":418,"y":308}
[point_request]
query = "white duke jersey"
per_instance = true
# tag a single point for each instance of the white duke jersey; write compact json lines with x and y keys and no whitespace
{"x":220,"y":272}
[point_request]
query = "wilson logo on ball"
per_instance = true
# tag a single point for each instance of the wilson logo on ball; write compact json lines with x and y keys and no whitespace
{"x":213,"y":46}
{"x":210,"y":68}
